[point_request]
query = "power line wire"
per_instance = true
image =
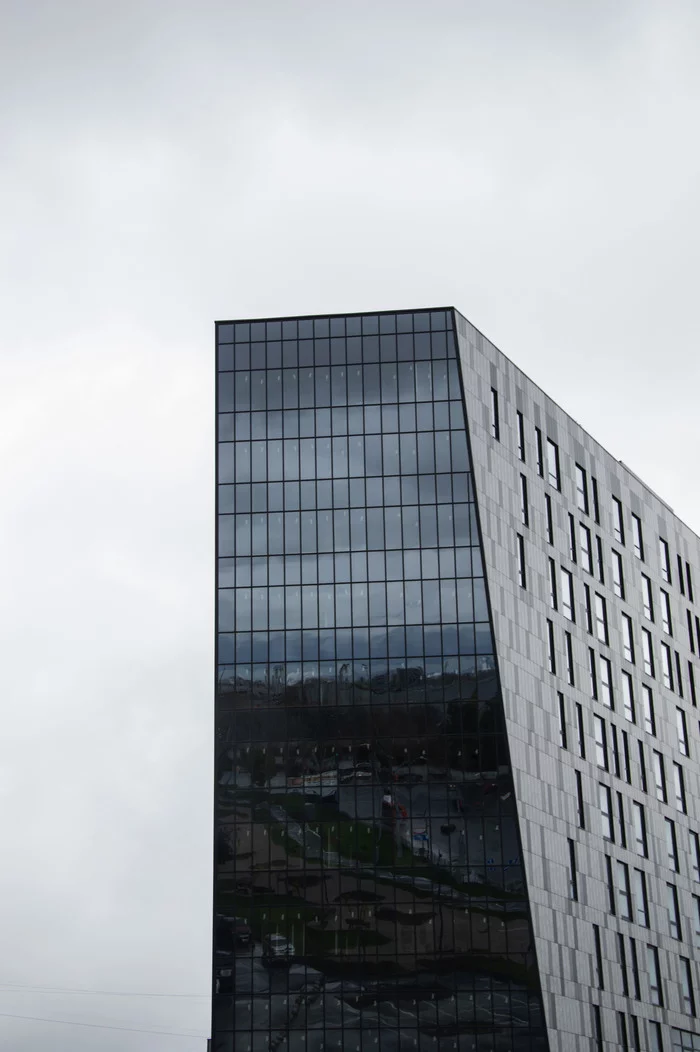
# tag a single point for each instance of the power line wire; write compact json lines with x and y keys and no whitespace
{"x":10,"y":987}
{"x":100,"y":1026}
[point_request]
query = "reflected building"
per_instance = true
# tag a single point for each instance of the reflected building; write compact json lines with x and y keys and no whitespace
{"x":441,"y":618}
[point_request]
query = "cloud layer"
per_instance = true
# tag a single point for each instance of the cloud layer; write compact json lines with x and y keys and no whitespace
{"x":163,"y":165}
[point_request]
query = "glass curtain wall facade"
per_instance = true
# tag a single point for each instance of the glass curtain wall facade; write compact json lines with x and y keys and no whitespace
{"x":369,"y":888}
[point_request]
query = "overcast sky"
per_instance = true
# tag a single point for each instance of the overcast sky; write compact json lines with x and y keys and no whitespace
{"x":163,"y":164}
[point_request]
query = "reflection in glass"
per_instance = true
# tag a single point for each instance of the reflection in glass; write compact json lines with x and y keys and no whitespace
{"x":369,"y":890}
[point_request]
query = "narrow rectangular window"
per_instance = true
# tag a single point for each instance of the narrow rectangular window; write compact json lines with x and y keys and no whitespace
{"x":618,"y":575}
{"x":621,"y":820}
{"x":580,"y":738}
{"x":691,"y":683}
{"x":592,"y":673}
{"x":642,"y":768}
{"x":615,"y":751}
{"x":657,"y":997}
{"x":601,"y":743}
{"x":664,"y":560}
{"x":622,"y":884}
{"x":551,"y":655}
{"x":635,"y":970}
{"x":648,"y":709}
{"x":695,"y":855}
{"x":573,"y":876}
{"x":553,"y":474}
{"x":521,"y":435}
{"x":522,"y":577}
{"x":656,"y":1044}
{"x":647,"y":598}
{"x":562,"y":720}
{"x":697,"y":629}
{"x":611,"y":884}
{"x":687,"y":987}
{"x":681,"y":581}
{"x":679,"y":677}
{"x":622,"y":958}
{"x":659,"y":776}
{"x":524,"y":506}
{"x":622,"y":1032}
{"x":696,"y":922}
{"x":569,"y":649}
{"x":540,"y":453}
{"x":600,"y":982}
{"x":581,"y":490}
{"x":601,"y":618}
{"x":567,"y":594}
{"x":634,"y":1034}
{"x":495,"y":422}
{"x":605,"y":804}
{"x":647,"y":653}
{"x":548,"y":518}
{"x":572,"y":538}
{"x":618,"y":521}
{"x":637,"y":540}
{"x":640,"y":829}
{"x":671,"y":844}
{"x":584,"y":537}
{"x":666,"y":667}
{"x":682,"y":731}
{"x":641,"y":901}
{"x":689,"y":579}
{"x":588,"y":609}
{"x":666,"y":623}
{"x":627,"y":774}
{"x":674,"y":917}
{"x":628,"y":697}
{"x":594,"y":492}
{"x":627,"y":638}
{"x":598,"y":1029}
{"x":679,"y":788}
{"x":691,"y":634}
{"x":553,"y":584}
{"x":606,"y":688}
{"x":580,"y":808}
{"x":599,"y":553}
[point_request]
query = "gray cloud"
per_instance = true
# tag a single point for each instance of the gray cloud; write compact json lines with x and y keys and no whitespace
{"x":163,"y":165}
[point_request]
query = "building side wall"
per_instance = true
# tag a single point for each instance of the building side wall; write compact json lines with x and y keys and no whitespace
{"x":544,"y":771}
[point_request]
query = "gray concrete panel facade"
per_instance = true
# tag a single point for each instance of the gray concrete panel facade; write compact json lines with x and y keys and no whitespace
{"x":550,"y":778}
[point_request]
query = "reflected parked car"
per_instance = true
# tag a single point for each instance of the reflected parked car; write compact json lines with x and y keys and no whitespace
{"x":223,"y":981}
{"x":276,"y":948}
{"x":232,"y":934}
{"x":241,"y":931}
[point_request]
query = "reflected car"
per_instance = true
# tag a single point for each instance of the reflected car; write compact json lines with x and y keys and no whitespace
{"x":241,"y":931}
{"x":360,"y":772}
{"x":407,"y":777}
{"x":223,"y":981}
{"x":277,"y":948}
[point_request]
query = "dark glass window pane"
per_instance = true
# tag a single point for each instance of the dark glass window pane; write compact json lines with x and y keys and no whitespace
{"x":424,"y":382}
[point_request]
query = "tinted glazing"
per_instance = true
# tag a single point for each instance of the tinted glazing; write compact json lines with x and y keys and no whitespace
{"x":369,"y":891}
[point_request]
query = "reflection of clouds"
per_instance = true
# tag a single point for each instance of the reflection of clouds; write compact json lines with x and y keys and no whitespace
{"x":310,"y":387}
{"x":343,"y":701}
{"x":337,"y":457}
{"x":316,"y":493}
{"x":379,"y":528}
{"x":407,"y":642}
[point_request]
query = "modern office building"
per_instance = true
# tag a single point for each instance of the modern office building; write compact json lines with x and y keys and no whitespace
{"x":458,"y":659}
